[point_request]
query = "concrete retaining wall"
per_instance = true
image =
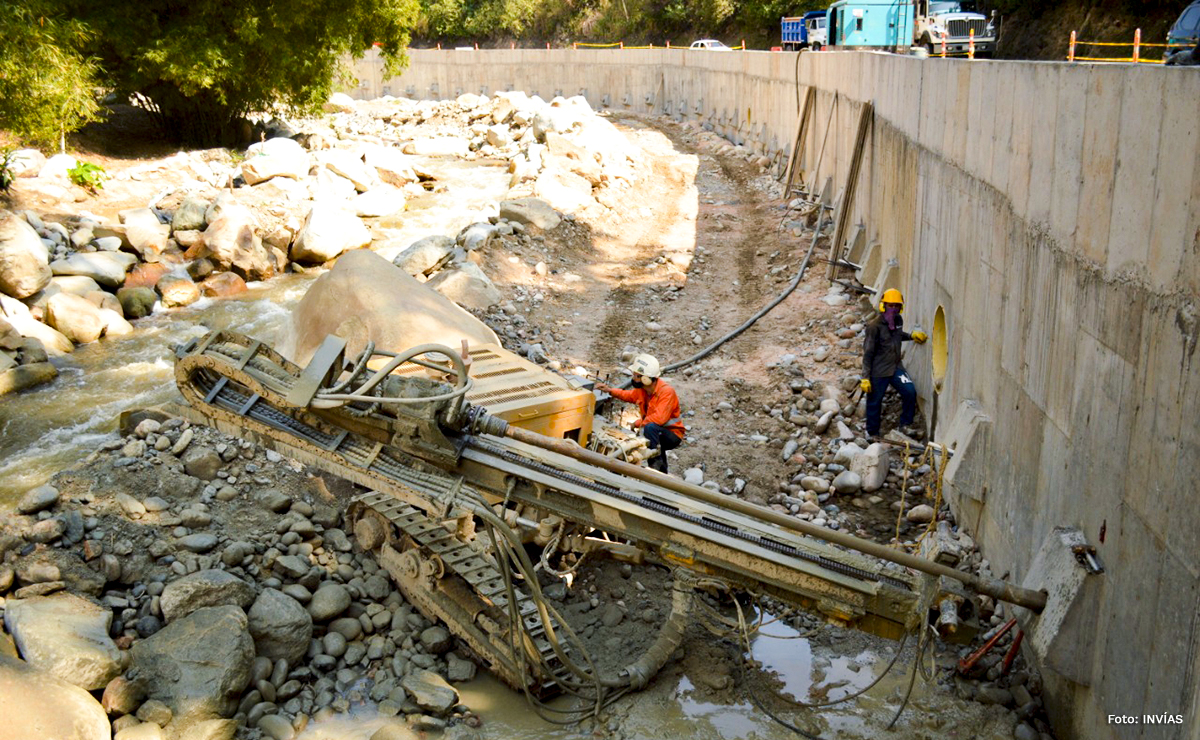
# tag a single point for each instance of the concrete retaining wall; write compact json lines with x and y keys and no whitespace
{"x":1053,"y":211}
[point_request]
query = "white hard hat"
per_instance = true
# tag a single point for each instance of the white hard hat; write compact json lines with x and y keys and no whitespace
{"x":645,"y":365}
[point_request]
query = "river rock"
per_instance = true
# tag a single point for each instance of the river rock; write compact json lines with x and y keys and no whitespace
{"x":77,"y":318}
{"x":123,"y":696}
{"x":393,"y":166}
{"x":147,"y":236}
{"x":201,"y":542}
{"x":444,"y":146}
{"x":327,"y":232}
{"x":467,"y":286}
{"x":36,"y":704}
{"x":143,"y":731}
{"x":189,"y":216}
{"x":437,"y":639}
{"x":381,"y":200}
{"x":847,"y":454}
{"x":920,"y":514}
{"x":177,"y":290}
{"x":223,"y":285}
{"x":872,"y":466}
{"x":278,"y":157}
{"x":847,"y":481}
{"x":42,"y":497}
{"x":824,"y":422}
{"x":198,"y":666}
{"x":66,"y":636}
{"x":24,"y":259}
{"x":26,"y":376}
{"x":329,"y":601}
{"x":430,"y":691}
{"x":202,"y":463}
{"x":423,"y":255}
{"x":137,"y":302}
{"x":202,"y":589}
{"x":231,"y":243}
{"x":814,"y":483}
{"x":695,"y":476}
{"x":106,"y":268}
{"x":280,"y":626}
{"x":350,"y":166}
{"x":476,"y":236}
{"x":276,"y":727}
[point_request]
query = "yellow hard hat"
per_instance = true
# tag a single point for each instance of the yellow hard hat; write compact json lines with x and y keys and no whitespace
{"x":891,"y":295}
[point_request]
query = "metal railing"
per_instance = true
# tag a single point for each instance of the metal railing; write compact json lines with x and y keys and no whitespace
{"x":1135,"y":49}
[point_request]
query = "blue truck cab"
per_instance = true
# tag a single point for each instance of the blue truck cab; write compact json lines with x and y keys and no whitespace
{"x":870,"y":24}
{"x":794,"y":30}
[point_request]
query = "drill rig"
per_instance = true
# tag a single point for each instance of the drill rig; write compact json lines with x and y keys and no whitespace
{"x":458,"y":496}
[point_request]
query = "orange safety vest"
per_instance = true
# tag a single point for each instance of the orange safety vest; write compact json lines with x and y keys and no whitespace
{"x":658,"y":408}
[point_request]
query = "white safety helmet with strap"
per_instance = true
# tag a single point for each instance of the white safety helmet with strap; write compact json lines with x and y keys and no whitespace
{"x":645,"y":365}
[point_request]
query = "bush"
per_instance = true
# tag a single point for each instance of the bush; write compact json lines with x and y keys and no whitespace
{"x":88,"y":176}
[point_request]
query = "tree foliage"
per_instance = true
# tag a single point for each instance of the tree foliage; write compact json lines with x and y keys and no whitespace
{"x":46,"y":83}
{"x":201,"y":65}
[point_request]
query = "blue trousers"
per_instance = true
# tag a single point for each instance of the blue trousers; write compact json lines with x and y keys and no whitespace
{"x":908,"y":399}
{"x":662,"y":439}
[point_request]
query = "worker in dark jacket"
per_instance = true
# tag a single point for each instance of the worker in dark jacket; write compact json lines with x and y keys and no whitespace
{"x":660,"y":422}
{"x":881,"y":362}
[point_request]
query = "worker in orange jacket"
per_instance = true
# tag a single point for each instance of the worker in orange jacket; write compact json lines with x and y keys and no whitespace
{"x":660,"y":422}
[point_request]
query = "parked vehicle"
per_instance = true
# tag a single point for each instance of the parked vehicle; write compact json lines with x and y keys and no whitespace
{"x":1186,"y":31}
{"x":803,"y":31}
{"x":897,"y":26}
{"x":710,"y":44}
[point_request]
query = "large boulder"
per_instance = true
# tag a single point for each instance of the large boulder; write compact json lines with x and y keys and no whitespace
{"x":222,"y":285}
{"x":24,"y":260}
{"x":65,"y":635}
{"x":280,"y":626}
{"x":231,"y":242}
{"x":202,"y":589}
{"x":278,"y":157}
{"x":17,"y":314}
{"x":147,"y":236}
{"x":466,"y":285}
{"x":77,"y":318}
{"x":366,"y":298}
{"x":36,"y":704}
{"x":327,"y":232}
{"x":198,"y":666}
{"x":106,"y":268}
{"x":533,"y":212}
{"x":425,"y":254}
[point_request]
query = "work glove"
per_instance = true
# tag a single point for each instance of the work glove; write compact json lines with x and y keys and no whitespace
{"x":639,"y":424}
{"x":919,"y":336}
{"x":865,"y":384}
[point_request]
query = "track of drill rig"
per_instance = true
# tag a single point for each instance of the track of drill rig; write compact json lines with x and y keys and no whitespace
{"x":432,"y":483}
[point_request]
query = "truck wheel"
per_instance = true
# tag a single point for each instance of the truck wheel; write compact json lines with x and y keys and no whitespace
{"x":815,"y":47}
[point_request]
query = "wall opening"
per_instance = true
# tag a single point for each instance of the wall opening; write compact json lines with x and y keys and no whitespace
{"x":941,"y":353}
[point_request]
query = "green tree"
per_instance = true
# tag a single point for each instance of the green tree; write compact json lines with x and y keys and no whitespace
{"x":46,"y":84}
{"x":200,"y":66}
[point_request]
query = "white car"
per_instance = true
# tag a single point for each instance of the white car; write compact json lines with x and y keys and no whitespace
{"x":710,"y":44}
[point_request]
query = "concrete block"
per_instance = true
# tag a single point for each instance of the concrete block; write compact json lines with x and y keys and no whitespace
{"x":1068,"y":119}
{"x":1063,"y":635}
{"x":1176,"y":183}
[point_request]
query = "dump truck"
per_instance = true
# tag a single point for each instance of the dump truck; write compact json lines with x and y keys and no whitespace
{"x":936,"y":26}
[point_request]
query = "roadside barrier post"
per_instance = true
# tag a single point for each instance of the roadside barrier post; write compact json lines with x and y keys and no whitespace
{"x":1071,"y":48}
{"x":943,"y":47}
{"x":1137,"y":44}
{"x":971,"y":44}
